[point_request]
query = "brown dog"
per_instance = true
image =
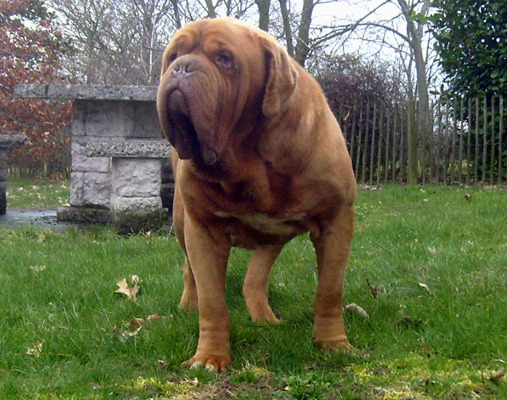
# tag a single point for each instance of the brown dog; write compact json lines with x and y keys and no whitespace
{"x":258,"y":158}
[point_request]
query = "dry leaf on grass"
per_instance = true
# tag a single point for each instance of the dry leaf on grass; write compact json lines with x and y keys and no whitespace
{"x":495,"y":378}
{"x":130,"y":292}
{"x":375,"y":290}
{"x":124,"y":335}
{"x":425,"y":287}
{"x":162,"y":364}
{"x":137,"y":323}
{"x":353,"y":307}
{"x":36,"y":350}
{"x":432,"y":250}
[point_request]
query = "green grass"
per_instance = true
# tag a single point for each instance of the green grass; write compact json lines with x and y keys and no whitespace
{"x":445,"y":340}
{"x":33,"y":194}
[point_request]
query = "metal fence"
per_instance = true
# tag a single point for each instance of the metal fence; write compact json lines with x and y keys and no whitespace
{"x":467,"y":143}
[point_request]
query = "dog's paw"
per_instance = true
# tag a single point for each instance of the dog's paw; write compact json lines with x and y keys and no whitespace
{"x":212,"y":363}
{"x":188,"y":302}
{"x":264,"y":316}
{"x":261,"y":313}
{"x":338,"y":344}
{"x":342,"y":345}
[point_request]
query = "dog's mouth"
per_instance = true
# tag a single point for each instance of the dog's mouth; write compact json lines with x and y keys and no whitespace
{"x":183,"y":134}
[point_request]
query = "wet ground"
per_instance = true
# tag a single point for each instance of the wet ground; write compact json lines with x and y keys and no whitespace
{"x":41,"y":219}
{"x":47,"y":219}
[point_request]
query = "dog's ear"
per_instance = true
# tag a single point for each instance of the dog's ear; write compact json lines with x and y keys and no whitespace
{"x":281,"y":80}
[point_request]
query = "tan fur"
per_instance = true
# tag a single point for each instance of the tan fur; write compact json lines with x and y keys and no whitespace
{"x":264,"y":160}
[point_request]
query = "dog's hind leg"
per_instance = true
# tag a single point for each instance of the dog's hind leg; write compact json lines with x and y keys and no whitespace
{"x":255,"y":288}
{"x":332,"y":246}
{"x":189,"y":301}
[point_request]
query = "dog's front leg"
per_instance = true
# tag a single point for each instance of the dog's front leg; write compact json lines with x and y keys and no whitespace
{"x":332,"y":245}
{"x":208,"y":252}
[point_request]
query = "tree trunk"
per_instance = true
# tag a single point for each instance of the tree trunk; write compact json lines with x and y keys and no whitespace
{"x":421,"y":129}
{"x":176,"y":13}
{"x":412,"y":143}
{"x":263,"y":6}
{"x":302,"y":45}
{"x":211,"y":9}
{"x":286,"y":27}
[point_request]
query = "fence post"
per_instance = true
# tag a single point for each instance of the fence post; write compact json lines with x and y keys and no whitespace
{"x":485,"y":141}
{"x":393,"y":163}
{"x":388,"y":139}
{"x":372,"y":148}
{"x":366,"y":137}
{"x":492,"y":157}
{"x":469,"y":139}
{"x":353,"y":132}
{"x":380,"y":135}
{"x":412,"y":168}
{"x":477,"y":116}
{"x":500,"y":150}
{"x":461,"y":134}
{"x":359,"y":143}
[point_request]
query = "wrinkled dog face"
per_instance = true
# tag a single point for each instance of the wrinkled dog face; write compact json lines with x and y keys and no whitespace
{"x":209,"y":87}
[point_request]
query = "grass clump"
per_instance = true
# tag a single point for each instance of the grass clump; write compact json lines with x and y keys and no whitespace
{"x":428,"y":266}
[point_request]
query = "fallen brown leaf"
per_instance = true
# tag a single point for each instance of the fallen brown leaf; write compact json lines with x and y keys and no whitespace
{"x":135,"y":322}
{"x":123,"y":287}
{"x":495,"y":378}
{"x":124,"y":335}
{"x":425,"y":287}
{"x":353,"y":307}
{"x":375,"y":290}
{"x":151,"y":318}
{"x":36,"y":350}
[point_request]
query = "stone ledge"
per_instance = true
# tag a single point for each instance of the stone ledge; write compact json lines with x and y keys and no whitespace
{"x":84,"y":215}
{"x":129,"y":149}
{"x":7,"y":141}
{"x":86,"y":92}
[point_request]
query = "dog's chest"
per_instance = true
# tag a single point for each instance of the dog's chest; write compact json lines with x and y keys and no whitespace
{"x":263,"y":223}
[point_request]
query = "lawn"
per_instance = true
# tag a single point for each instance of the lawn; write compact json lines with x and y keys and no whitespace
{"x":429,"y":267}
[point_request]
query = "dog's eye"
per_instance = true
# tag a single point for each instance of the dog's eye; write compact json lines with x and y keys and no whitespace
{"x":225,"y":60}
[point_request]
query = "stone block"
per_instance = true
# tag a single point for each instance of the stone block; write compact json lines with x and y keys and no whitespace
{"x":136,"y":177}
{"x":88,"y":92}
{"x":82,"y":163}
{"x":79,"y":108}
{"x":133,"y":148}
{"x":109,"y":119}
{"x":84,"y":215}
{"x":3,"y":198}
{"x":3,"y":164}
{"x":127,"y":223}
{"x":90,"y":189}
{"x":146,"y":123}
{"x":167,"y":171}
{"x":121,"y":204}
{"x":167,"y":195}
{"x":8,"y":141}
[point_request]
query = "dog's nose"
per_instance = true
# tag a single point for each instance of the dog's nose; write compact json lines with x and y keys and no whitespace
{"x":184,"y":66}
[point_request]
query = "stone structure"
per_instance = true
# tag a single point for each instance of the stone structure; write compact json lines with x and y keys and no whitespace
{"x":7,"y":142}
{"x":123,"y":121}
{"x":136,"y":179}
